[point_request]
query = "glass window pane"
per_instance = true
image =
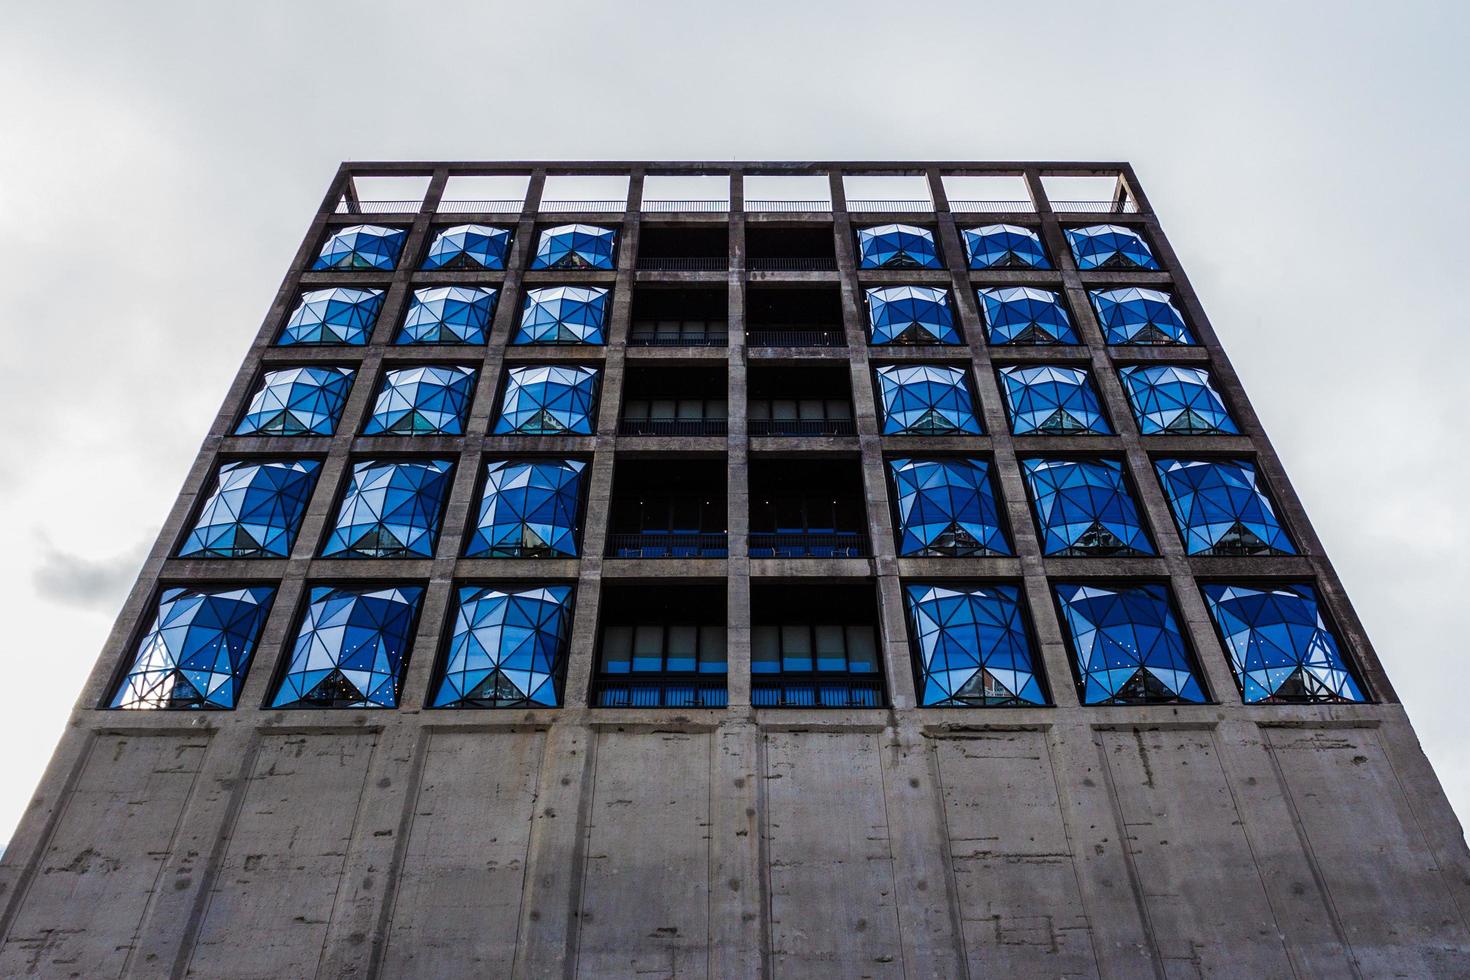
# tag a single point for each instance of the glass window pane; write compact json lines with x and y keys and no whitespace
{"x":648,"y":648}
{"x":811,"y":408}
{"x":783,"y":408}
{"x":765,"y":650}
{"x":635,"y":410}
{"x":662,"y":408}
{"x":716,"y":409}
{"x":691,"y":408}
{"x":668,"y":328}
{"x":712,"y":656}
{"x":759,"y":408}
{"x":681,"y":647}
{"x":796,"y":648}
{"x":617,"y":647}
{"x":862,"y":651}
{"x":831,"y":650}
{"x":839,"y":409}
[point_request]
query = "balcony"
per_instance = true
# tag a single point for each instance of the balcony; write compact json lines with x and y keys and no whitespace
{"x":669,"y":206}
{"x":666,"y":691}
{"x":801,"y":400}
{"x":992,"y":207}
{"x":671,"y":427}
{"x":792,"y":316}
{"x":796,"y":337}
{"x":790,"y":249}
{"x":788,"y":206}
{"x":791,"y":263}
{"x":685,"y":263}
{"x":679,"y":316}
{"x":801,"y":427}
{"x":815,"y":691}
{"x":814,"y":646}
{"x":808,"y":544}
{"x":668,"y":508}
{"x":668,"y":544}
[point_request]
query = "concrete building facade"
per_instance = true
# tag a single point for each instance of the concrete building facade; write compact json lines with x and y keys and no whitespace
{"x":764,"y":738}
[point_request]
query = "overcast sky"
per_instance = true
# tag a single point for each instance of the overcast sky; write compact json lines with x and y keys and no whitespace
{"x":159,"y":164}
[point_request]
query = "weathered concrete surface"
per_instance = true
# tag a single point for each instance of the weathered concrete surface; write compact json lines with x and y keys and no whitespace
{"x":1217,"y":840}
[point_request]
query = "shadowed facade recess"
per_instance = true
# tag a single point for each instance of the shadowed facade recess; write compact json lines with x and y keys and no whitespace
{"x":753,"y":569}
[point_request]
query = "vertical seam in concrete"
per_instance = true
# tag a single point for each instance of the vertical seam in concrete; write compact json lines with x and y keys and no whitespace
{"x":526,"y":860}
{"x":888,"y":840}
{"x":579,"y":854}
{"x":367,"y":774}
{"x":1125,"y":845}
{"x":1051,"y":767}
{"x":763,"y":850}
{"x":389,"y":908}
{"x":709,"y":852}
{"x":1311,"y":856}
{"x":956,"y":910}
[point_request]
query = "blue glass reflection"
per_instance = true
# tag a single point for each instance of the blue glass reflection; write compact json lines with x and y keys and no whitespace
{"x":910,"y":315}
{"x":391,"y":510}
{"x":469,"y":247}
{"x":448,"y":315}
{"x":254,"y":510}
{"x":507,"y":648}
{"x":926,"y":399}
{"x":548,"y":400}
{"x":351,"y":650}
{"x":301,"y":401}
{"x":972,"y":647}
{"x":1051,"y":400}
{"x":421,"y":401}
{"x":563,"y":315}
{"x":1221,"y":507}
{"x":333,"y":316}
{"x":574,"y":247}
{"x":1083,"y":507}
{"x":1280,"y":647}
{"x":897,"y":247}
{"x":1110,"y":247}
{"x":1004,"y":247}
{"x":1167,"y":399}
{"x":361,"y":247}
{"x":946,"y":507}
{"x":1025,"y":315}
{"x":1127,"y":645}
{"x":1130,"y":315}
{"x":528,"y":510}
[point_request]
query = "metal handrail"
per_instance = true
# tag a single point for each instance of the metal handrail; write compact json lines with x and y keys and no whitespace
{"x":808,"y":544}
{"x":636,"y":339}
{"x":760,"y":205}
{"x":1126,"y":206}
{"x":683,"y":263}
{"x":870,"y":205}
{"x":587,"y":206}
{"x":672,"y":427}
{"x":800,"y":263}
{"x":991,"y":207}
{"x":345,"y":206}
{"x":815,"y":691}
{"x":481,"y":207}
{"x":668,"y":544}
{"x":663,"y":206}
{"x":778,"y":337}
{"x":677,"y":691}
{"x":801,"y":427}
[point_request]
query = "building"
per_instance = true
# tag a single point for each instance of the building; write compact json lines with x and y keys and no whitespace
{"x":886,"y":579}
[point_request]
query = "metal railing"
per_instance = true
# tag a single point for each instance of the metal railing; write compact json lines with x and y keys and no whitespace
{"x":861,"y":205}
{"x":651,"y":338}
{"x":667,"y":544}
{"x":659,"y":692}
{"x":800,"y":263}
{"x":783,"y":337}
{"x":583,"y":206}
{"x":759,"y":205}
{"x":672,"y":427}
{"x":344,"y":206}
{"x":683,"y":263}
{"x":481,"y":207}
{"x":664,"y":206}
{"x":991,"y":207}
{"x":802,"y":427}
{"x":808,"y":544}
{"x":1125,"y":206}
{"x":815,"y":691}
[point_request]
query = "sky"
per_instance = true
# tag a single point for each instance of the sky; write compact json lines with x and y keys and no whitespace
{"x":160,"y":162}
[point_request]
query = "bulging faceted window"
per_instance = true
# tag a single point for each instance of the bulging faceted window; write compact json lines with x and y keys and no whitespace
{"x":507,"y":649}
{"x":391,"y":510}
{"x":946,"y":507}
{"x":422,"y":401}
{"x":1126,"y":645}
{"x":361,"y":247}
{"x":1280,"y":647}
{"x":563,"y":315}
{"x":469,"y":247}
{"x":1051,"y":400}
{"x":926,"y":399}
{"x":528,"y":510}
{"x":1110,"y":247}
{"x":300,"y":401}
{"x":1130,"y":315}
{"x":351,"y":650}
{"x":971,"y":647}
{"x":548,"y":399}
{"x":197,"y":649}
{"x":448,"y":315}
{"x":910,"y":315}
{"x":333,"y":316}
{"x":1221,"y":507}
{"x":1083,"y":507}
{"x":1025,"y":315}
{"x":574,"y":247}
{"x":1004,"y":247}
{"x":1173,"y":400}
{"x":897,"y":247}
{"x":254,"y":511}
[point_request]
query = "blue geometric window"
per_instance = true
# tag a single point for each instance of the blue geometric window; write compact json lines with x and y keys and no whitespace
{"x":391,"y":510}
{"x":575,"y":247}
{"x":1083,"y":508}
{"x":897,"y":247}
{"x":1051,"y":400}
{"x":1004,"y":247}
{"x":361,"y":247}
{"x":469,"y":247}
{"x":548,"y":400}
{"x":333,"y":316}
{"x":254,"y":511}
{"x":946,"y":507}
{"x":911,"y":315}
{"x":1126,"y":645}
{"x":926,"y":399}
{"x":1176,"y":400}
{"x":529,"y":509}
{"x":1025,"y":315}
{"x":197,"y":649}
{"x":1130,"y":315}
{"x":1221,"y":508}
{"x":422,"y":401}
{"x":563,"y":315}
{"x":972,"y":647}
{"x":1109,"y":247}
{"x":351,"y":650}
{"x":508,"y":648}
{"x":1280,"y":648}
{"x":448,"y":315}
{"x":302,"y":401}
